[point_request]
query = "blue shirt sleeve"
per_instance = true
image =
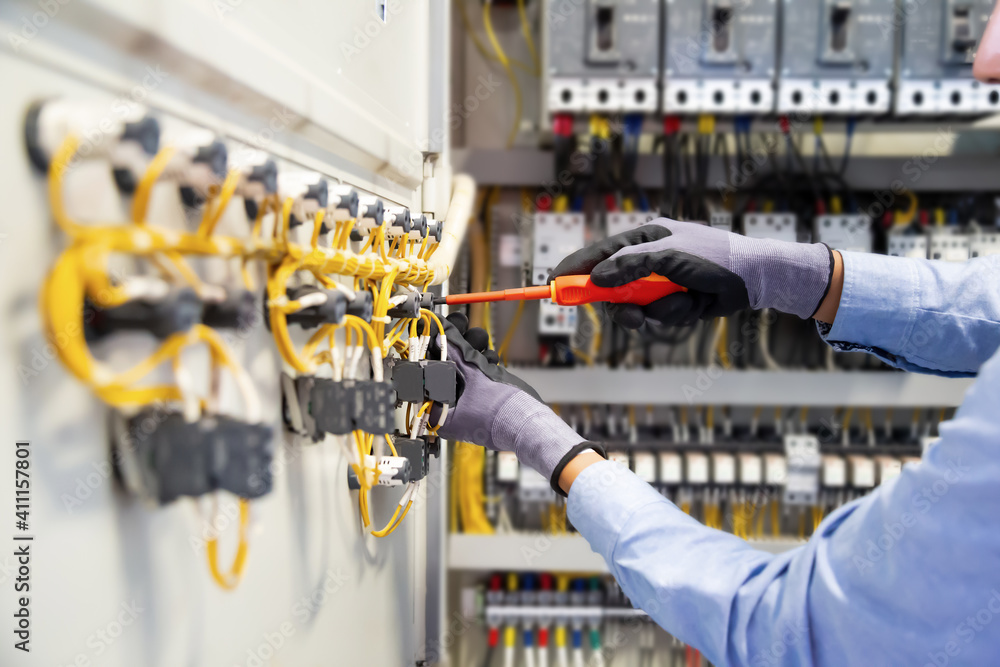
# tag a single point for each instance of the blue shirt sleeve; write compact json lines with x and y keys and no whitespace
{"x":906,"y":575}
{"x":919,"y":315}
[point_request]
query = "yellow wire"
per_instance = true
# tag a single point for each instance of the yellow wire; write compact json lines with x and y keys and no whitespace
{"x":231,"y":579}
{"x":502,"y":350}
{"x":502,"y":57}
{"x":526,"y":31}
{"x":478,"y":43}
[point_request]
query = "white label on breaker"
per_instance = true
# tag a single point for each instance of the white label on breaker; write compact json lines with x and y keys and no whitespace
{"x":750,"y":469}
{"x":621,"y":458}
{"x":510,"y":250}
{"x":723,"y":468}
{"x":697,"y":468}
{"x":775,"y":469}
{"x":645,"y":466}
{"x":862,"y":472}
{"x":507,"y":466}
{"x":670,"y":468}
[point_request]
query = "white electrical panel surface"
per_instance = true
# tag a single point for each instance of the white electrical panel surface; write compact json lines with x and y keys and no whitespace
{"x":335,"y":89}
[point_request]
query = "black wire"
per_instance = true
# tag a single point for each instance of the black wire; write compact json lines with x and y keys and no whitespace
{"x":489,"y":656}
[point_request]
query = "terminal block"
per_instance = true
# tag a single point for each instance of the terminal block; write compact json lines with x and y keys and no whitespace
{"x":397,"y":222}
{"x":259,"y":179}
{"x":371,"y":214}
{"x":429,"y":380}
{"x":352,"y":405}
{"x":342,"y":205}
{"x":198,"y":164}
{"x":162,"y":457}
{"x":308,"y":190}
{"x":162,"y":314}
{"x":126,"y":137}
{"x":417,"y":452}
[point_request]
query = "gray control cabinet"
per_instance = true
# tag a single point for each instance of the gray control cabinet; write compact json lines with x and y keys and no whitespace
{"x":837,"y":56}
{"x":720,"y":56}
{"x":938,"y":45}
{"x":602,"y":55}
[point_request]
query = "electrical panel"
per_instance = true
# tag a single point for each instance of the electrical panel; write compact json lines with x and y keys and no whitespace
{"x":720,"y":56}
{"x":602,"y":55}
{"x":836,"y":56}
{"x":939,"y":39}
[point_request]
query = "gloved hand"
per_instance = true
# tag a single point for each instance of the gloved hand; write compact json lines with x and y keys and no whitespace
{"x":497,"y":410}
{"x":723,"y":272}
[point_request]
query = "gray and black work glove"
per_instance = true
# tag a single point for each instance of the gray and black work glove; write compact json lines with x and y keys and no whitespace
{"x":498,"y":410}
{"x":723,"y":272}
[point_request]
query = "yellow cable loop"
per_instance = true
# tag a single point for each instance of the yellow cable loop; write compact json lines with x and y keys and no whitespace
{"x":231,"y":579}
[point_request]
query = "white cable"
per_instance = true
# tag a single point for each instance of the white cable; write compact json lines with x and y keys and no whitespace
{"x":597,"y":658}
{"x":578,"y":657}
{"x":378,"y":372}
{"x":543,"y":656}
{"x":529,"y":656}
{"x":562,"y":656}
{"x":443,"y":344}
{"x":347,"y":291}
{"x":508,"y":656}
{"x":312,"y":299}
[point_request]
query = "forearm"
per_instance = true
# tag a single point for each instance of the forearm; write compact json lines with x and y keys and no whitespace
{"x":919,"y":315}
{"x":684,"y":575}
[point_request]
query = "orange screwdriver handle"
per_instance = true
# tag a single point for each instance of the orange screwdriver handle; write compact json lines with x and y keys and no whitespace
{"x":578,"y":290}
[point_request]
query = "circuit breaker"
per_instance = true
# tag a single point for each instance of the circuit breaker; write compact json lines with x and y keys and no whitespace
{"x":621,"y":221}
{"x":777,"y":226}
{"x":950,"y":247}
{"x":602,"y":55}
{"x":836,"y":56}
{"x":913,"y":246}
{"x":851,"y":233}
{"x":720,"y":56}
{"x":935,"y":69}
{"x":555,"y":235}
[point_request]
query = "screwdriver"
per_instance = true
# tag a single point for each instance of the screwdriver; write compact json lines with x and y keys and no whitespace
{"x":576,"y":291}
